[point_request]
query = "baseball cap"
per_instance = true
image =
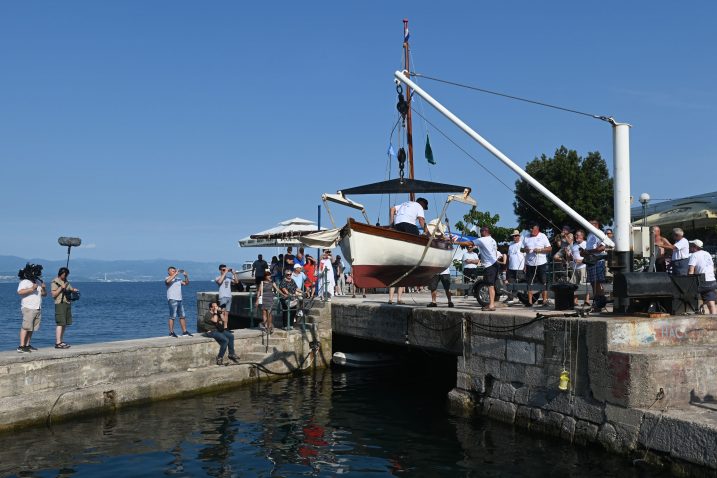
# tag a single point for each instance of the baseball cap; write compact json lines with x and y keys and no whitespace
{"x":297,"y":266}
{"x":697,"y":243}
{"x":515,"y":232}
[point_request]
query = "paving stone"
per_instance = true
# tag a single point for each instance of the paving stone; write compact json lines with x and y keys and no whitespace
{"x":607,"y":436}
{"x":488,"y":347}
{"x":591,"y":411}
{"x":507,"y":391}
{"x":567,"y":429}
{"x":520,"y":352}
{"x":585,"y":432}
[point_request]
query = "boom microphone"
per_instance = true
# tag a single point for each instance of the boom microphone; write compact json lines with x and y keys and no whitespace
{"x":69,"y":241}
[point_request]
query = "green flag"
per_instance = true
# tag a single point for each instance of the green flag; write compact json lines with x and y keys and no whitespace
{"x":429,"y":151}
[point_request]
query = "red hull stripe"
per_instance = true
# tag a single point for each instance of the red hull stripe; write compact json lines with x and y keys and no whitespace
{"x":381,"y":276}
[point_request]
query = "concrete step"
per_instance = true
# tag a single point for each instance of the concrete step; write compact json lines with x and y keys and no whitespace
{"x":685,"y":373}
{"x":639,"y":332}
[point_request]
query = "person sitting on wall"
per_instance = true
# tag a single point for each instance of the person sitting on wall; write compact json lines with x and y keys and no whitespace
{"x":214,"y":326}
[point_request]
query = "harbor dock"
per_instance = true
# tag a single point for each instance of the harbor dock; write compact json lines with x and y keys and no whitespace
{"x":637,"y":386}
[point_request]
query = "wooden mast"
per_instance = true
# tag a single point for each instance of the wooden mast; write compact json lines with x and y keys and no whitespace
{"x":409,"y":130}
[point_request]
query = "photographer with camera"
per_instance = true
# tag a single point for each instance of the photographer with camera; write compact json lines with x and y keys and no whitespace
{"x":32,"y":289}
{"x":225,"y":281}
{"x":174,"y":299}
{"x":215,"y":329}
{"x":64,"y":294}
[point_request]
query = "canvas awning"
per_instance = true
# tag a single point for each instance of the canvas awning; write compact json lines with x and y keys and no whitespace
{"x":286,"y":233}
{"x":398,"y":186}
{"x":688,"y":213}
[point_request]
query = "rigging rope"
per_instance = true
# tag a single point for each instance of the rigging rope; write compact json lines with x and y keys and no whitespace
{"x":520,"y":198}
{"x":512,"y":97}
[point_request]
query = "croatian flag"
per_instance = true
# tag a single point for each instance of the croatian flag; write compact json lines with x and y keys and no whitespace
{"x":406,"y":35}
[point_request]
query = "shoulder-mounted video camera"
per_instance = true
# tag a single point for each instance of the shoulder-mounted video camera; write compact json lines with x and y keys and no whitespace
{"x":31,"y":272}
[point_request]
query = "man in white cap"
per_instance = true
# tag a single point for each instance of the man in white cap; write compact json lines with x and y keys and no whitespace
{"x":516,"y":264}
{"x":700,"y":262}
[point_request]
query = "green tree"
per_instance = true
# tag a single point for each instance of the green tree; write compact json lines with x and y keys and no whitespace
{"x":584,"y":184}
{"x":481,"y":218}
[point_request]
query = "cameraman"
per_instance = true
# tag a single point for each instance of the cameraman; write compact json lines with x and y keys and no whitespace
{"x":215,"y":329}
{"x":225,"y":280}
{"x":32,"y":289}
{"x":60,"y":290}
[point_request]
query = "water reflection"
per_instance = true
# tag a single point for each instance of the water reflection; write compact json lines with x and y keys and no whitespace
{"x":321,"y":424}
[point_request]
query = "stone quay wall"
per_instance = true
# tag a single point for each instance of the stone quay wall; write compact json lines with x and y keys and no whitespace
{"x":636,"y":385}
{"x":51,"y":385}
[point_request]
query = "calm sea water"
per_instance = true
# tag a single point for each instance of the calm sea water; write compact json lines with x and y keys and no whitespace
{"x":329,"y":423}
{"x":106,"y":311}
{"x":377,"y":423}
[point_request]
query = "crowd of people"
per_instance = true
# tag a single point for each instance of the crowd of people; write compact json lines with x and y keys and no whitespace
{"x":292,"y":278}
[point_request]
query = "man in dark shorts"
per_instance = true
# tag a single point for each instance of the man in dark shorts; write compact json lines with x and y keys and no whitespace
{"x":258,"y":270}
{"x":536,"y":247}
{"x":489,"y":256}
{"x":63,"y":308}
{"x":403,"y":217}
{"x":445,"y":279}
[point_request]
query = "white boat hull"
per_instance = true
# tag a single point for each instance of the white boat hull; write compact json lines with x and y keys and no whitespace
{"x":379,"y":256}
{"x":363,"y":359}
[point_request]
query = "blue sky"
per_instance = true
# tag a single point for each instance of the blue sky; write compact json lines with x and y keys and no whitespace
{"x":170,"y":129}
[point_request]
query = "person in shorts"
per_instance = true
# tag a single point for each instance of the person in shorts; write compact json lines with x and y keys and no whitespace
{"x":258,"y":270}
{"x":701,"y":263}
{"x":174,"y":299}
{"x":516,"y":265}
{"x":445,"y":279}
{"x":265,"y":302}
{"x":226,"y":278}
{"x":63,"y":307}
{"x":32,"y":289}
{"x":489,"y":256}
{"x":536,"y":247}
{"x":579,"y":269}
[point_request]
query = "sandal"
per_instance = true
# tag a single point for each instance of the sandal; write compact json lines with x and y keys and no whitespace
{"x":450,"y":304}
{"x":62,"y":345}
{"x":488,"y":309}
{"x":432,"y":304}
{"x":400,"y":302}
{"x":390,"y":302}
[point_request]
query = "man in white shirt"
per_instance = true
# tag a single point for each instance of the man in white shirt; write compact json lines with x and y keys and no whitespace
{"x":489,"y":255}
{"x":174,"y":299}
{"x":680,"y":252}
{"x":226,"y":278}
{"x":701,"y":262}
{"x":403,"y":217}
{"x":32,"y":289}
{"x":516,"y":263}
{"x":471,"y":262}
{"x":579,"y":270}
{"x":537,"y":247}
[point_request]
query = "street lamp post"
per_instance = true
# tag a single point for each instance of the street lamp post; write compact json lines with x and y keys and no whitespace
{"x":644,"y":200}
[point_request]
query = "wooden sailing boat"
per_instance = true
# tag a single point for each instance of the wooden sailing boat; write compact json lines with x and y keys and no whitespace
{"x":379,"y":255}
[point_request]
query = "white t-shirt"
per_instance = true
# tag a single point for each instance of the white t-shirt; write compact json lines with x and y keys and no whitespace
{"x":681,"y":250}
{"x":536,"y":242}
{"x":575,"y":251}
{"x":447,"y":271}
{"x":408,"y":212}
{"x":225,"y":288}
{"x":174,"y":289}
{"x":469,"y":255}
{"x":516,"y":259}
{"x":593,"y":242}
{"x":488,"y":250}
{"x":703,"y":263}
{"x":34,"y":299}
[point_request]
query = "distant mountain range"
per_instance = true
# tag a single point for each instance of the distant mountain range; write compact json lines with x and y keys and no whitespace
{"x":111,"y":271}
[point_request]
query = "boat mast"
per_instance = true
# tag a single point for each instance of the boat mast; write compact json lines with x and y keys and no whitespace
{"x":409,"y":126}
